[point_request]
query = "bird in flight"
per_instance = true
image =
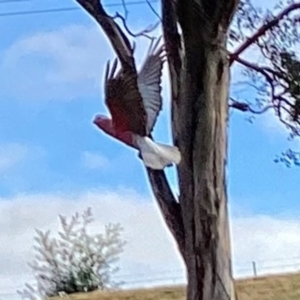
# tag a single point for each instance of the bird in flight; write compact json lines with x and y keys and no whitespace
{"x":134,"y":101}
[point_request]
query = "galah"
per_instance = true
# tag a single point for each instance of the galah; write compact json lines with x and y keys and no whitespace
{"x":134,"y":101}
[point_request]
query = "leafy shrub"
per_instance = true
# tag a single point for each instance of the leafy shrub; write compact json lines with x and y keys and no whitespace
{"x":76,"y":261}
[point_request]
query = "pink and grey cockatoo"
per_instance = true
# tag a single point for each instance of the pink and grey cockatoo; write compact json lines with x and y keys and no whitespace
{"x":134,"y":101}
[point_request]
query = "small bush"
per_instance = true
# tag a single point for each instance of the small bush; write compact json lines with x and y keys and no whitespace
{"x":75,"y":261}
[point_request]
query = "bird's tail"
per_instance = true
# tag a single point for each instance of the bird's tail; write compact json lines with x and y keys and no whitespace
{"x":157,"y":156}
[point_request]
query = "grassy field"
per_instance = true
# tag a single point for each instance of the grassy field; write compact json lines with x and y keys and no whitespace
{"x":275,"y":287}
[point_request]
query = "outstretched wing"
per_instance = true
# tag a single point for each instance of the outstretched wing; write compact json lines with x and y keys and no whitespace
{"x":149,"y":83}
{"x":124,"y":100}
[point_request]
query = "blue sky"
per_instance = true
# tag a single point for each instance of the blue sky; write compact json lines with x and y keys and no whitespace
{"x":59,"y":125}
{"x":51,"y":69}
{"x":55,"y":126}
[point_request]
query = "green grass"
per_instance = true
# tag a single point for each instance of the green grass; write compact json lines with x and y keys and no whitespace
{"x":273,"y":287}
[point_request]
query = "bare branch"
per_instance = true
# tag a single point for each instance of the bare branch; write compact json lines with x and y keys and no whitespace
{"x":281,"y":99}
{"x":153,"y":10}
{"x":112,"y":30}
{"x":160,"y":186}
{"x":141,"y":33}
{"x":265,"y":71}
{"x":172,"y":44}
{"x":125,"y":9}
{"x":245,"y":107}
{"x":242,"y":106}
{"x":262,"y":30}
{"x":167,"y":204}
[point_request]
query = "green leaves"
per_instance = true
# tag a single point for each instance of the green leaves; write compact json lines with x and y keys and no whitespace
{"x":291,"y":66}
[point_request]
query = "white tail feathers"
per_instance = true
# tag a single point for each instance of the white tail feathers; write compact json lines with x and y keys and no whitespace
{"x":157,"y":156}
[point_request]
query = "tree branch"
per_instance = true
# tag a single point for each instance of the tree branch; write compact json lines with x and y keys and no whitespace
{"x":125,"y":9}
{"x":262,"y":30}
{"x":160,"y":186}
{"x":245,"y":107}
{"x":265,"y":71}
{"x":274,"y":79}
{"x":153,"y":9}
{"x":170,"y":208}
{"x":112,"y":30}
{"x":173,"y":49}
{"x":141,"y":33}
{"x":172,"y":45}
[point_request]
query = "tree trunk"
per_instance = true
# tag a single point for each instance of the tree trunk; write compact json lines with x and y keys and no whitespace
{"x":199,"y":72}
{"x":200,"y":103}
{"x":202,"y":176}
{"x":205,"y":201}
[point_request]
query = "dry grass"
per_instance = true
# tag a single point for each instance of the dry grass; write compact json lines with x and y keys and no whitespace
{"x":275,"y":287}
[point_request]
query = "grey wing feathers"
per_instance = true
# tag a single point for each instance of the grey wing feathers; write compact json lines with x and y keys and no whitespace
{"x":149,"y":83}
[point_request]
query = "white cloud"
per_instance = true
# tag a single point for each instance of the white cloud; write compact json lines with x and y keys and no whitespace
{"x":150,"y":250}
{"x":149,"y":247}
{"x":91,"y":160}
{"x":273,"y":242}
{"x":276,"y":131}
{"x":272,"y":124}
{"x":65,"y":63}
{"x":62,"y":64}
{"x":11,"y":155}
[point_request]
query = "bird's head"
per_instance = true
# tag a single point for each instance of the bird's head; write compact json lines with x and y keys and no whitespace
{"x":106,"y":124}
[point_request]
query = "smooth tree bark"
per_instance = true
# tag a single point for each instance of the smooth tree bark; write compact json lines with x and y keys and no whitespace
{"x":199,"y":62}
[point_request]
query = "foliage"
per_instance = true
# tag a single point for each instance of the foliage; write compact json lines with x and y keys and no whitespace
{"x":76,"y":261}
{"x":274,"y":35}
{"x":289,"y":158}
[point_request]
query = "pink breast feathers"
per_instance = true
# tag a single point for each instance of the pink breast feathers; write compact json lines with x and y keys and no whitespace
{"x":106,"y":124}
